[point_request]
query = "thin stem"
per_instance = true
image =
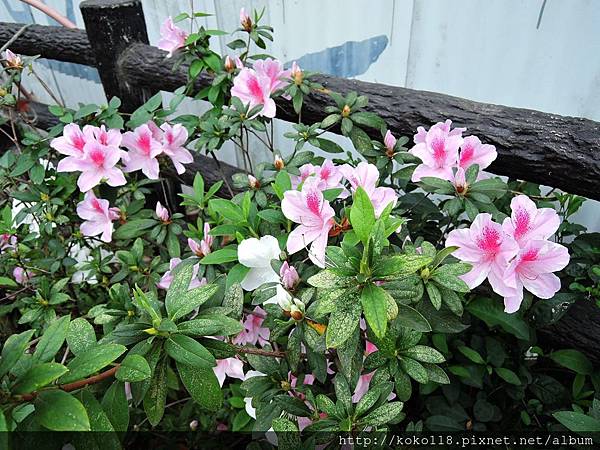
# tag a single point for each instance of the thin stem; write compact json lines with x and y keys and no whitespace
{"x":75,"y":385}
{"x":47,"y":88}
{"x":258,"y":351}
{"x":223,"y":176}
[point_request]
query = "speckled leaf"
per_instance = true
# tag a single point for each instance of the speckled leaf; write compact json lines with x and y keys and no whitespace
{"x":187,"y":350}
{"x":384,"y":414}
{"x":52,"y":340}
{"x":81,"y":336}
{"x":13,"y":349}
{"x":38,"y":376}
{"x":327,"y":279}
{"x":203,"y":386}
{"x":87,"y":363}
{"x":156,"y":396}
{"x":414,"y":369}
{"x":133,"y":368}
{"x":59,"y":411}
{"x":343,"y":321}
{"x":116,"y":406}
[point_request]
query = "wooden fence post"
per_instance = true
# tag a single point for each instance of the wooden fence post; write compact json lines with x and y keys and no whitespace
{"x":112,"y":26}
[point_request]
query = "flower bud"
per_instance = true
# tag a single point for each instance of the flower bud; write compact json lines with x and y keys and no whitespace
{"x":253,"y":182}
{"x":195,"y":248}
{"x":13,"y":61}
{"x":460,"y":182}
{"x":390,"y":142}
{"x":229,"y":64}
{"x":162,"y":213}
{"x":289,"y":276}
{"x":278,"y":162}
{"x":193,"y":425}
{"x":346,"y":111}
{"x":297,"y":74}
{"x":245,"y":20}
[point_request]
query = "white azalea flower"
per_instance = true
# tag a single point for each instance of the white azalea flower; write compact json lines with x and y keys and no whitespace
{"x":257,"y":254}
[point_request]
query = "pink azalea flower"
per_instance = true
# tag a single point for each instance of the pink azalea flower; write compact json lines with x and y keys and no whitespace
{"x":527,"y":222}
{"x":362,"y":386}
{"x":167,"y":278}
{"x":21,"y":275}
{"x":487,"y":248}
{"x":306,"y":171}
{"x":162,"y":213}
{"x":274,"y":71}
{"x":315,"y":216}
{"x":230,"y":367}
{"x":438,"y":151}
{"x":327,"y":175}
{"x":370,"y":348}
{"x":110,"y":138}
{"x":174,"y":138}
{"x":143,"y":150}
{"x":253,"y":331}
{"x":7,"y":241}
{"x":12,"y":59}
{"x":366,"y":176}
{"x":71,"y":142}
{"x":97,"y":163}
{"x":389,"y":141}
{"x":472,"y":151}
{"x":254,"y":89}
{"x":289,"y":276}
{"x":532,"y":269}
{"x":444,"y":126}
{"x":204,"y":247}
{"x":98,"y":216}
{"x":172,"y":37}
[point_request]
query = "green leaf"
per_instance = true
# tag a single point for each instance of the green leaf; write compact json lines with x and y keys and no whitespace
{"x":424,"y":354}
{"x":327,"y":279}
{"x":572,"y":359}
{"x":508,"y":375}
{"x":81,"y":336}
{"x":105,"y":437}
{"x":89,"y":362}
{"x":220,"y":256}
{"x":342,"y":321}
{"x":288,"y":436}
{"x":447,"y":276}
{"x":37,"y":377}
{"x":383,"y":415}
{"x":395,"y":266}
{"x":413,"y":319}
{"x":234,"y":300}
{"x":59,"y":411}
{"x":156,"y":396}
{"x":187,"y":350}
{"x":492,"y":313}
{"x":471,"y":354}
{"x":7,"y":282}
{"x":578,"y":422}
{"x":362,"y":215}
{"x":202,"y":385}
{"x":13,"y":349}
{"x":434,"y":294}
{"x":133,"y":228}
{"x":374,"y":303}
{"x":368,"y":119}
{"x":414,"y":369}
{"x":116,"y":407}
{"x":329,"y":146}
{"x":190,"y":300}
{"x":133,"y":368}
{"x":52,"y":340}
{"x":227,"y":209}
{"x":225,"y":326}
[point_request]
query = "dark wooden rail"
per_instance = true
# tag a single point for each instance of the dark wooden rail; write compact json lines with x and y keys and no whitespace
{"x":550,"y":149}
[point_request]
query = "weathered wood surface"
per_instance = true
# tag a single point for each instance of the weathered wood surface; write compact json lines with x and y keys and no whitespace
{"x":549,"y":149}
{"x":50,"y":42}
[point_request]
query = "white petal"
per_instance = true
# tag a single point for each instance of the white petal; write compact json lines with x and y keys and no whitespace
{"x":257,"y":276}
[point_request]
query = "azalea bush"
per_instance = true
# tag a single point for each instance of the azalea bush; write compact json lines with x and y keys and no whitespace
{"x":372,"y":284}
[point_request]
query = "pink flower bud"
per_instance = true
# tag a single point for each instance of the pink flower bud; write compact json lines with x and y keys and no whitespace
{"x":7,"y":241}
{"x":229,"y":64}
{"x":162,"y":213}
{"x":278,"y":162}
{"x":253,"y":182}
{"x":14,"y":61}
{"x":289,"y":276}
{"x":296,"y":73}
{"x":390,"y":141}
{"x":195,"y":247}
{"x":245,"y":20}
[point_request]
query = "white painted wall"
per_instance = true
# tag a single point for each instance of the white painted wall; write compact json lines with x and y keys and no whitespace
{"x":491,"y":51}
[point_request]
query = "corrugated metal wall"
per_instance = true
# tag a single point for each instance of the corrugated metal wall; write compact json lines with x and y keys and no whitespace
{"x":527,"y":53}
